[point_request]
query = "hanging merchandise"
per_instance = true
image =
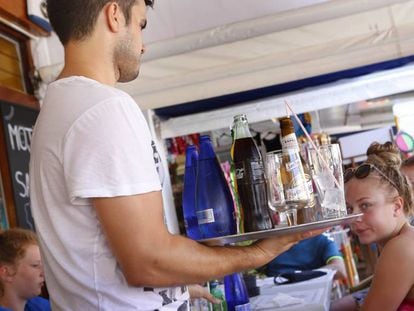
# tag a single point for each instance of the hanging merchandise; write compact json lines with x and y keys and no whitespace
{"x":214,"y":204}
{"x":404,"y":141}
{"x":250,"y":177}
{"x":236,"y":293}
{"x":189,"y":198}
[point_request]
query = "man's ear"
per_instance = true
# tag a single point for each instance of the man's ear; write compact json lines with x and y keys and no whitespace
{"x":114,"y":17}
{"x":398,"y":205}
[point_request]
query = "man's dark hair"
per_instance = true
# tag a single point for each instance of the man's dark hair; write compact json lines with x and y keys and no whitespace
{"x":75,"y":19}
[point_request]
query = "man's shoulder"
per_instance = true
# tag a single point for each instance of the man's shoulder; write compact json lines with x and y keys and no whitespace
{"x":85,"y":88}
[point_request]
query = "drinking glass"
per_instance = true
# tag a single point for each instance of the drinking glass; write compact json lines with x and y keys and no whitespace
{"x":327,"y":174}
{"x":275,"y":189}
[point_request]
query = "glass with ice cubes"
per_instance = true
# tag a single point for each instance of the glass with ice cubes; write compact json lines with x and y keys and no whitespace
{"x":327,"y":174}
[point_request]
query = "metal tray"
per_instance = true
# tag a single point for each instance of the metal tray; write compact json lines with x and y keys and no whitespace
{"x":257,"y":235}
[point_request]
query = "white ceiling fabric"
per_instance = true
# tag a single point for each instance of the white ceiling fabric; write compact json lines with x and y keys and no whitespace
{"x":199,"y":57}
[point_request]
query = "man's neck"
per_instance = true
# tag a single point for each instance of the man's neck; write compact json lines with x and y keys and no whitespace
{"x":80,"y":61}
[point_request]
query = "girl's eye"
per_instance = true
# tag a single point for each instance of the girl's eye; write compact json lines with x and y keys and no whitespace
{"x":364,"y":206}
{"x":349,"y":209}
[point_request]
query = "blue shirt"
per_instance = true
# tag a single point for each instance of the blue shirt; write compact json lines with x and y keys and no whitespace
{"x":308,"y":254}
{"x":34,"y":304}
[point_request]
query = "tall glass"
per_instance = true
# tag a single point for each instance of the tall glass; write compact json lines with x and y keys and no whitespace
{"x":327,"y":174}
{"x":275,"y":189}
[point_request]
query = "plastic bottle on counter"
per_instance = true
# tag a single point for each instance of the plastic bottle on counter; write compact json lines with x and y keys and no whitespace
{"x":217,"y":290}
{"x":189,"y":194}
{"x":250,"y":177}
{"x":214,"y":203}
{"x":236,"y":293}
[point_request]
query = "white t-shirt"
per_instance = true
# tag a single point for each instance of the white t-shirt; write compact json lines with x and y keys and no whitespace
{"x":90,"y":140}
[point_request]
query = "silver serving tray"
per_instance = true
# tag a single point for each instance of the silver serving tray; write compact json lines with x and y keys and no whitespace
{"x":278,"y":231}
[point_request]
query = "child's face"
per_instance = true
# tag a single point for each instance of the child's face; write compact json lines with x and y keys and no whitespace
{"x":374,"y":198}
{"x":28,"y":278}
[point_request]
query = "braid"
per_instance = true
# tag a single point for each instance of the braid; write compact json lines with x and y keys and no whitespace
{"x":387,"y":158}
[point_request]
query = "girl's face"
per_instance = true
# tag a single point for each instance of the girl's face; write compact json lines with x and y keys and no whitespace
{"x":381,"y":211}
{"x":28,"y":277}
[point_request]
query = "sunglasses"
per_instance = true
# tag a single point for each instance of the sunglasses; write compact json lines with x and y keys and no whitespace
{"x":363,"y":171}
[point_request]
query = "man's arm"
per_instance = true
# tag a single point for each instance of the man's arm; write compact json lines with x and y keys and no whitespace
{"x":337,"y":264}
{"x":150,"y":256}
{"x":333,"y":257}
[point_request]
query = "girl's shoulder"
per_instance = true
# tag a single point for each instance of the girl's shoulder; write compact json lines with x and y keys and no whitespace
{"x":403,"y":243}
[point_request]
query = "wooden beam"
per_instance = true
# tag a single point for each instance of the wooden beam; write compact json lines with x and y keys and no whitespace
{"x":18,"y":98}
{"x":6,"y":180}
{"x":16,"y":12}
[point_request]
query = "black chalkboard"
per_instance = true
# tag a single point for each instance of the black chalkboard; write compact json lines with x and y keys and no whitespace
{"x":18,"y":124}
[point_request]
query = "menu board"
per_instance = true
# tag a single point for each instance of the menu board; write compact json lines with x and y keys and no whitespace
{"x":18,"y":125}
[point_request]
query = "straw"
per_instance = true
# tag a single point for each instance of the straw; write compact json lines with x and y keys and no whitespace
{"x":313,"y":144}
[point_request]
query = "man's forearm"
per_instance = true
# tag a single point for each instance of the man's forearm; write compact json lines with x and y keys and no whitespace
{"x":183,"y":261}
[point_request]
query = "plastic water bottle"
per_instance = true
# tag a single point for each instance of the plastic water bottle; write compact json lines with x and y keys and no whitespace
{"x":189,"y":199}
{"x":236,"y":293}
{"x":215,"y":208}
{"x":217,"y":290}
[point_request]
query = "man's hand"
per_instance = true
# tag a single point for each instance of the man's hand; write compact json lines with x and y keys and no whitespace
{"x":275,"y":246}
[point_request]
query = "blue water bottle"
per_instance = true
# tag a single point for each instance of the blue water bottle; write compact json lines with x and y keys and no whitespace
{"x":236,"y":293}
{"x":215,"y":208}
{"x":189,"y":199}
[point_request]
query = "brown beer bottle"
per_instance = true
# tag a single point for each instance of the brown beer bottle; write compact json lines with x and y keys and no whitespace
{"x":294,"y":171}
{"x":250,"y":177}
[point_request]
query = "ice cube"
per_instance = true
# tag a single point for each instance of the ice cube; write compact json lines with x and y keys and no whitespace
{"x":332,"y":198}
{"x":325,"y":180}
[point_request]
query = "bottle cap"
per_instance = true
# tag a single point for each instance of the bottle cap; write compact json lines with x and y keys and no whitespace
{"x":206,"y":148}
{"x":241,"y":117}
{"x":191,"y":155}
{"x":204,"y":138}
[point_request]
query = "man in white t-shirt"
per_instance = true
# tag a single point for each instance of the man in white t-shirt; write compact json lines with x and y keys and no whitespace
{"x":95,"y":191}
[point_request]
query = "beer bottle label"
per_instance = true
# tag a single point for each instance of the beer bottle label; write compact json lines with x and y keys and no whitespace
{"x":297,"y":190}
{"x":312,"y":200}
{"x":205,"y":216}
{"x":292,"y":165}
{"x":289,"y":142}
{"x":295,"y":194}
